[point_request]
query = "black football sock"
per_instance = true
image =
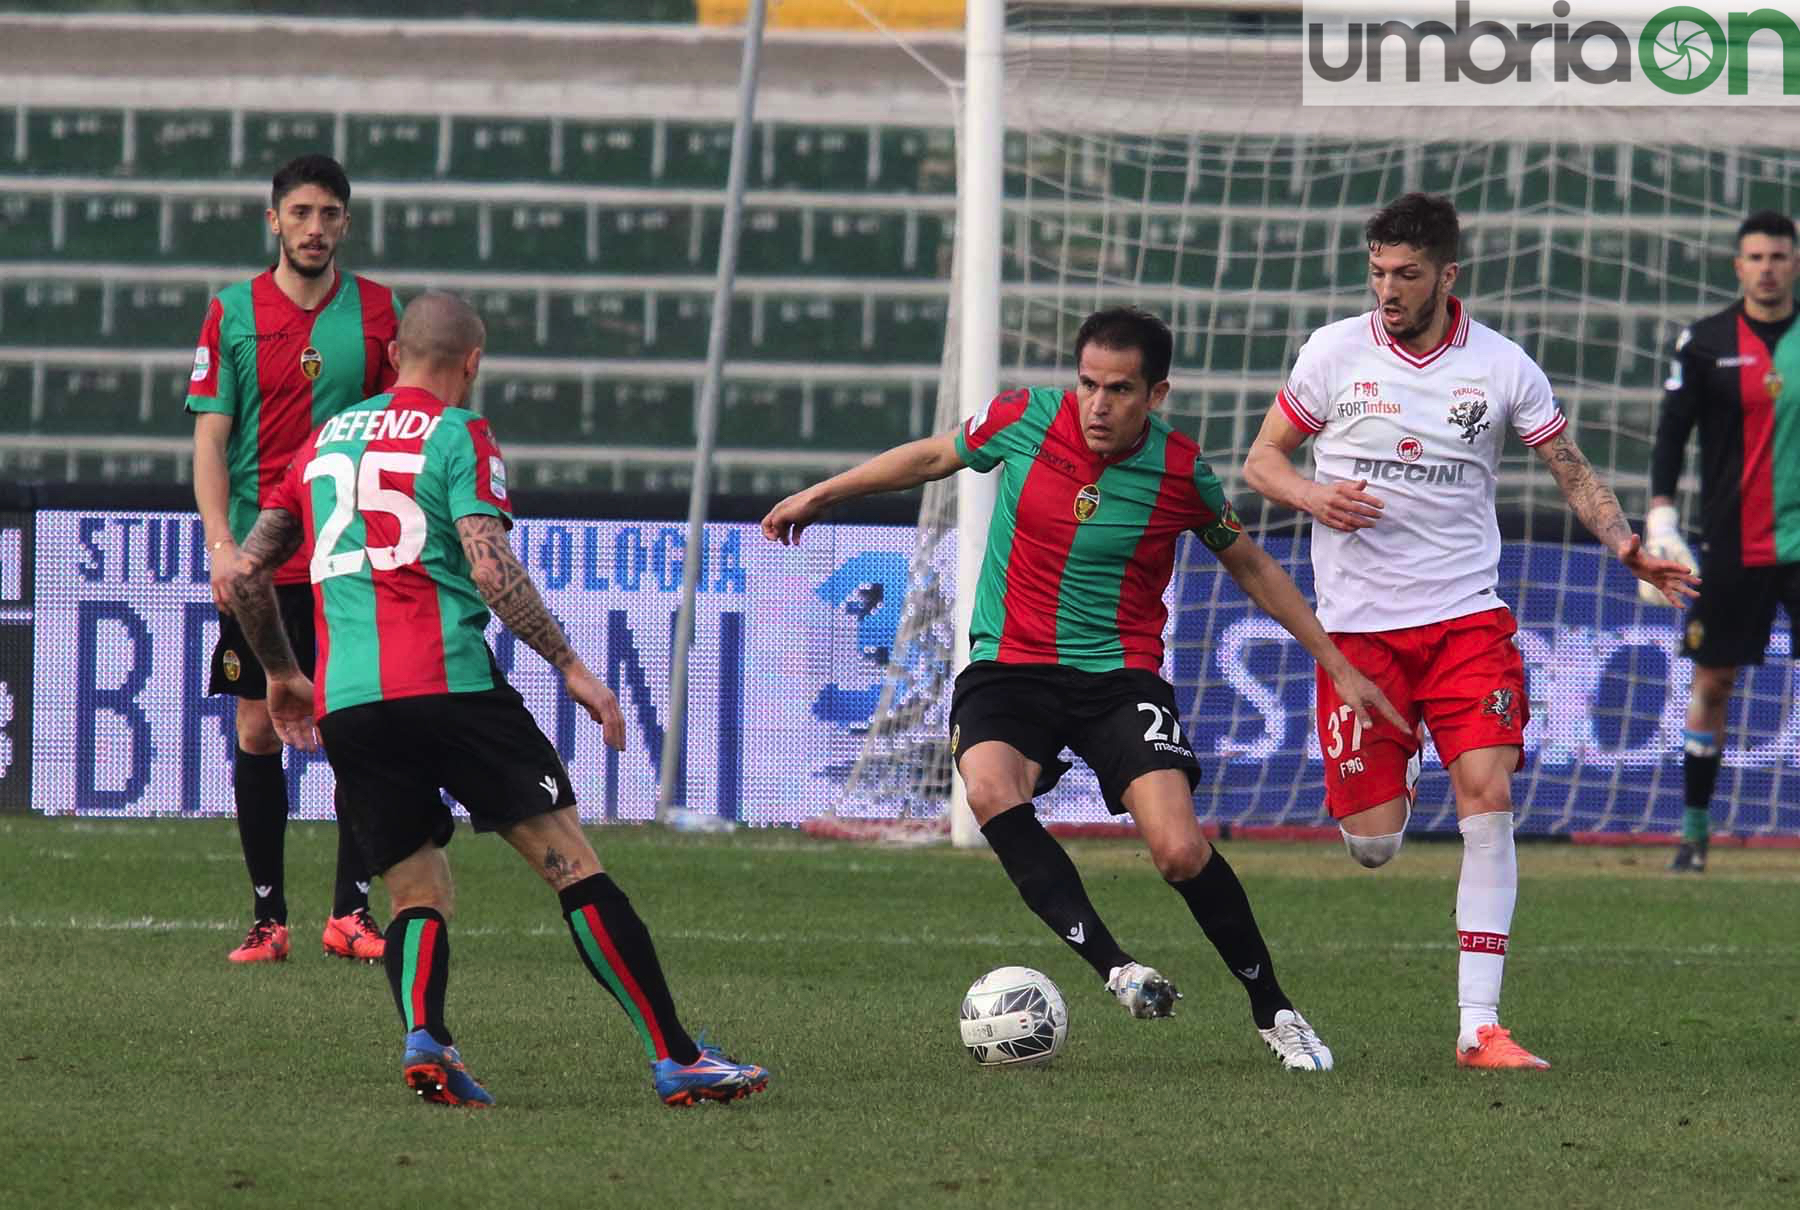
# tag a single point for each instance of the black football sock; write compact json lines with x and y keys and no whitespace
{"x":1221,"y":908}
{"x":1051,"y":887}
{"x":351,"y":890}
{"x":1699,"y":774}
{"x":418,"y":969}
{"x":259,"y":790}
{"x":615,"y":945}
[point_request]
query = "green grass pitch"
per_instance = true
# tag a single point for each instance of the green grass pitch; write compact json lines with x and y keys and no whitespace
{"x":138,"y":1068}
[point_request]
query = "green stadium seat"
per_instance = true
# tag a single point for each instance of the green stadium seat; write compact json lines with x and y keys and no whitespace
{"x":74,"y":142}
{"x":228,"y":231}
{"x":769,"y":242}
{"x":1182,"y":251}
{"x":821,"y":159}
{"x":111,"y":226}
{"x":801,"y":327}
{"x":433,"y":235}
{"x":537,"y":237}
{"x":1593,"y":179}
{"x":916,"y":161}
{"x":36,"y":314}
{"x":500,"y":149}
{"x":683,"y":320}
{"x":868,"y":417}
{"x":1073,"y":248}
{"x":182,"y":143}
{"x":861,"y":243}
{"x":698,"y":154}
{"x":1259,"y":171}
{"x":90,"y":467}
{"x":621,"y":152}
{"x":1032,"y":332}
{"x":1149,"y":169}
{"x":1244,"y":336}
{"x":93,"y":400}
{"x":636,"y":411}
{"x":168,"y":401}
{"x":910,"y":330}
{"x":511,"y":318}
{"x":1644,"y":361}
{"x":272,"y":139}
{"x":599,"y":323}
{"x":26,"y":226}
{"x":1557,"y":354}
{"x":9,"y":140}
{"x":655,"y":239}
{"x":1504,"y":263}
{"x":1042,"y":166}
{"x":1588,"y":265}
{"x":535,"y":409}
{"x":1342,"y":174}
{"x":165,"y":315}
{"x":391,"y":147}
{"x":1772,"y":181}
{"x":1681,"y":182}
{"x":1599,"y":335}
{"x":761,"y":415}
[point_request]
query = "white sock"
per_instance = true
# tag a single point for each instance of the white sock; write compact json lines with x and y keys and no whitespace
{"x":1485,"y":896}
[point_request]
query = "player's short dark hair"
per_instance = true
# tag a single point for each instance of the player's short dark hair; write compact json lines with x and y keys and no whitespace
{"x":315,"y":169}
{"x":1767,"y":222}
{"x":1126,"y":328}
{"x":1425,"y":221}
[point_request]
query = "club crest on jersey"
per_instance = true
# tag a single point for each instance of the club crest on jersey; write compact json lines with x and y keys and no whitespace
{"x":311,"y":363}
{"x":1409,"y":449}
{"x":1500,"y":703}
{"x":1469,"y":415}
{"x":1772,"y":383}
{"x":1087,"y":500}
{"x":955,"y":738}
{"x":234,"y":667}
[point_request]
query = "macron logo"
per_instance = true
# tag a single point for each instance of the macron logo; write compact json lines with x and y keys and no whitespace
{"x":1077,"y":934}
{"x":549,"y":783}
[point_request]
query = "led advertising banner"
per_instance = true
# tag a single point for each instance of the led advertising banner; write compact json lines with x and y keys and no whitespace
{"x":110,"y":622}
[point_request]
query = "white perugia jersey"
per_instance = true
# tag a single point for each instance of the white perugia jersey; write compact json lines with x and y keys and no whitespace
{"x":1426,"y":432}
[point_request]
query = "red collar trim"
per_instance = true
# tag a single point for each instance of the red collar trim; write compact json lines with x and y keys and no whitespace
{"x":1456,"y":335}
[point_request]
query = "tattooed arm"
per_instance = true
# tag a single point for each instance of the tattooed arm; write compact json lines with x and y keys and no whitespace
{"x":507,"y":588}
{"x":1599,"y":510}
{"x":251,"y":589}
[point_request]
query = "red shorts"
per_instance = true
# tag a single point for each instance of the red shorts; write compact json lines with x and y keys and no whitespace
{"x":1462,"y":678}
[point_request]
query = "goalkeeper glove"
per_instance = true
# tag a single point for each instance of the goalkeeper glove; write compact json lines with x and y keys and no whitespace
{"x":1662,"y":540}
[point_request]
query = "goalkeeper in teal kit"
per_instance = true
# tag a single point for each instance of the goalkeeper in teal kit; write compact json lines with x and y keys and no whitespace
{"x":1066,"y":645}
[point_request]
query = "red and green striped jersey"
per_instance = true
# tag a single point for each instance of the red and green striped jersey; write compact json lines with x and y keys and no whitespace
{"x":1081,"y":546}
{"x":378,"y":490}
{"x":279,"y":372}
{"x":1738,"y":380}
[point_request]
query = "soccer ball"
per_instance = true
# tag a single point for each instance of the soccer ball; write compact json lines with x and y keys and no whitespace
{"x":1014,"y":1015}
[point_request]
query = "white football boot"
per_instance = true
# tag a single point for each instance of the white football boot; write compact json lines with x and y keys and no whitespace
{"x":1295,"y":1043}
{"x":1143,"y":990}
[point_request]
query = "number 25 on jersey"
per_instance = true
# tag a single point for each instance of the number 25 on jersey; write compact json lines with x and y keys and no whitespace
{"x":357,"y":488}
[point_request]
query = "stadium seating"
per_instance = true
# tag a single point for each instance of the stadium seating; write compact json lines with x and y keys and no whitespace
{"x":591,"y":244}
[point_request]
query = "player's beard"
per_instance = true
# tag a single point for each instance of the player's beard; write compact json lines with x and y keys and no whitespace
{"x":293,"y":262}
{"x":1419,"y":322}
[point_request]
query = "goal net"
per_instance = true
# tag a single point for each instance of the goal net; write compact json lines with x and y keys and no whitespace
{"x":1160,"y":154}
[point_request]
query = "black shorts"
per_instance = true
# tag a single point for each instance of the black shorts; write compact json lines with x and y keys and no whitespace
{"x":1122,"y":723}
{"x":1729,"y":625}
{"x":392,"y":758}
{"x":235,"y":668}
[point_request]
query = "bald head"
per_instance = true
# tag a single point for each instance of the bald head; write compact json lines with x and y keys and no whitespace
{"x":438,"y":330}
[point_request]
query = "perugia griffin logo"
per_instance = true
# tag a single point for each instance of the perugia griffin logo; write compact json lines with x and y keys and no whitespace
{"x":1501,"y":703}
{"x":1468,"y":415}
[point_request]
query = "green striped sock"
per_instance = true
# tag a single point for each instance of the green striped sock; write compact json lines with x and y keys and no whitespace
{"x":1696,"y":825}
